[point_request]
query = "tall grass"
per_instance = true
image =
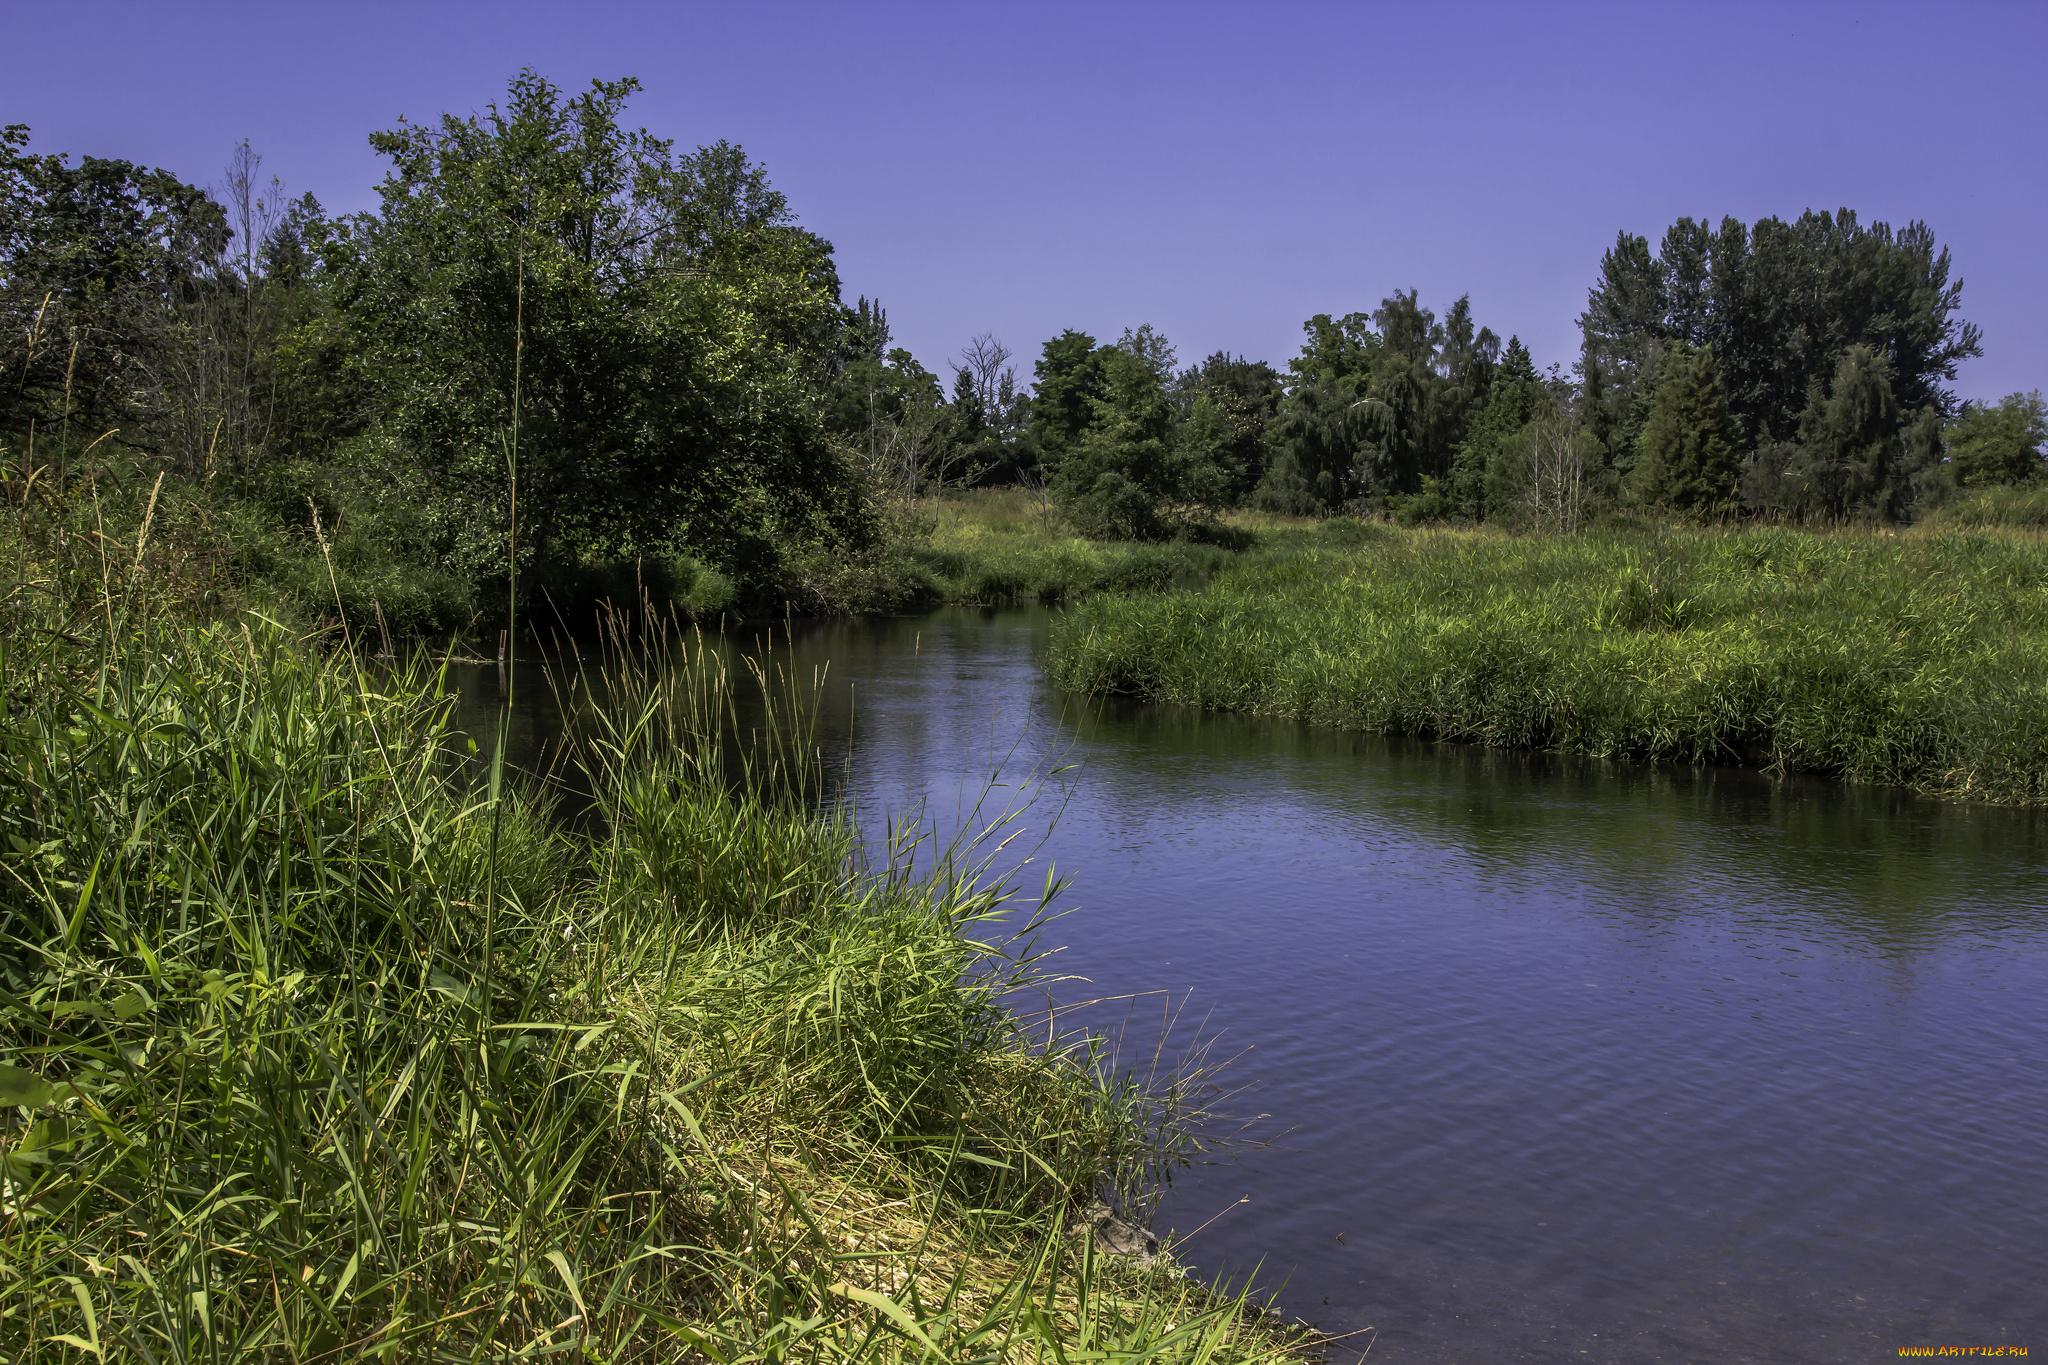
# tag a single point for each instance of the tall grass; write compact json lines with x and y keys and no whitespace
{"x":312,"y":1049}
{"x":1918,"y":660}
{"x":2023,"y":508}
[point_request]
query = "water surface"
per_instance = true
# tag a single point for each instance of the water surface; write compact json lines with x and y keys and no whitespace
{"x":1561,"y":1060}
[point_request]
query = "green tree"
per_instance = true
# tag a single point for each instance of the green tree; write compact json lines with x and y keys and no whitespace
{"x":1686,"y":455}
{"x":101,"y":267}
{"x":1069,"y":375}
{"x":1121,"y":479}
{"x":1487,"y":472}
{"x":2000,"y":443}
{"x":1224,"y":443}
{"x":1779,"y":303}
{"x":1378,"y":405}
{"x":657,"y":324}
{"x":1849,"y":458}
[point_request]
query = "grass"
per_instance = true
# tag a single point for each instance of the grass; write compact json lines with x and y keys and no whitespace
{"x":1919,"y":660}
{"x":2023,"y":507}
{"x":320,"y":1040}
{"x":990,"y":547}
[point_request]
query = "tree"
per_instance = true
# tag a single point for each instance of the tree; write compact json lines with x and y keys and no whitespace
{"x":989,"y":411}
{"x":1686,"y":459}
{"x":1231,"y":405}
{"x":649,"y":330}
{"x":100,"y":266}
{"x":1850,"y":458}
{"x":1378,"y":405}
{"x":2001,"y":443}
{"x":1779,"y":303}
{"x":1069,"y":374}
{"x":1487,"y":473}
{"x":1120,"y":480}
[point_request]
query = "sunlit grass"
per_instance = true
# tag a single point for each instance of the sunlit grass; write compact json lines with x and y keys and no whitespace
{"x":1919,"y":659}
{"x":313,"y":1049}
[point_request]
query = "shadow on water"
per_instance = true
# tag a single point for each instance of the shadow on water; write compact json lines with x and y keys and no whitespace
{"x":1564,"y":1059}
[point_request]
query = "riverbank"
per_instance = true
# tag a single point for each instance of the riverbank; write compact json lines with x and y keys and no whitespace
{"x":339,"y":1047}
{"x":1919,"y":660}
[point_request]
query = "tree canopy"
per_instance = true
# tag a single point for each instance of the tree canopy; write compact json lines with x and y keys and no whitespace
{"x":656,"y":324}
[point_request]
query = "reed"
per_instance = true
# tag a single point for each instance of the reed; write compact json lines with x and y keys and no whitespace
{"x":314,"y":1048}
{"x":1918,"y":660}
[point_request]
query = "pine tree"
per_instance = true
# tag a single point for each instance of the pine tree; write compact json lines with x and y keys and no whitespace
{"x":1482,"y":480}
{"x":1686,"y":458}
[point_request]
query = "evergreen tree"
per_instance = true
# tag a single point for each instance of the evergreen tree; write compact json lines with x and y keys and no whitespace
{"x":1481,"y":481}
{"x":1120,"y":480}
{"x":1686,"y":455}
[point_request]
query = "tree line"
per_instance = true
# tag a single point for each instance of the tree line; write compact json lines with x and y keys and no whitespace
{"x":564,"y":334}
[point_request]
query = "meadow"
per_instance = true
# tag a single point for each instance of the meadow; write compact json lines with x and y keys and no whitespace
{"x":1918,"y":659}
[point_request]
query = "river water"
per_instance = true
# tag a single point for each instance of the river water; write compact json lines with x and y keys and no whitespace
{"x":1550,"y":1059}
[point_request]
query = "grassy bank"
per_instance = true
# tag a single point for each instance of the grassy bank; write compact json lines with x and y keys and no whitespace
{"x":990,"y":547}
{"x":313,"y":1048}
{"x":1918,"y":659}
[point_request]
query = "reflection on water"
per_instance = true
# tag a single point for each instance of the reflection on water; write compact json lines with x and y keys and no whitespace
{"x":1564,"y":1059}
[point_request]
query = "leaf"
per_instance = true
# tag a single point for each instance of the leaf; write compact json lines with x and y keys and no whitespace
{"x":448,"y":986}
{"x":133,"y":1003}
{"x":890,"y":1308}
{"x":561,"y":1264}
{"x":25,"y":1088}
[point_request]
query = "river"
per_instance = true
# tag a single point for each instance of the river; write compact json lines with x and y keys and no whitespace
{"x":1550,"y":1059}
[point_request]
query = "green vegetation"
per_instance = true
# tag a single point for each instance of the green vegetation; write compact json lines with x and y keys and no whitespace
{"x":1919,"y":660}
{"x":987,"y":547}
{"x":320,"y":1040}
{"x":708,"y":425}
{"x":2023,"y":507}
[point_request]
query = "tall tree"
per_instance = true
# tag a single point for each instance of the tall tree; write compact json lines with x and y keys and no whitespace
{"x":1069,"y":380}
{"x":1231,"y":405}
{"x":1377,"y":405}
{"x":1486,"y":473}
{"x":1687,"y":459}
{"x":1780,"y":303}
{"x":1849,"y":457}
{"x":656,"y":325}
{"x":1121,"y":479}
{"x":101,"y":267}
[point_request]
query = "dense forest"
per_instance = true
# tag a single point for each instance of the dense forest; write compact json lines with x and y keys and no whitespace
{"x":565,"y":340}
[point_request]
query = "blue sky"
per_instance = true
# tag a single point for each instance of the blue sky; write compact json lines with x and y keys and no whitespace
{"x":1221,"y":171}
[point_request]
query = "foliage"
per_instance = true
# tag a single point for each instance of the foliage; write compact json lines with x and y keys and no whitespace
{"x":656,"y":322}
{"x":1857,"y":454}
{"x":2001,"y":443}
{"x":1487,"y":473}
{"x":1686,"y":458}
{"x":1121,"y":478}
{"x":97,"y":260}
{"x":1069,"y":381}
{"x":1371,"y":413}
{"x":1230,"y":405}
{"x":1779,"y":303}
{"x":326,"y":1052}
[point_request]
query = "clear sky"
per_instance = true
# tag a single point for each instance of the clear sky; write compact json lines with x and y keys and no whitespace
{"x":1221,"y":171}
